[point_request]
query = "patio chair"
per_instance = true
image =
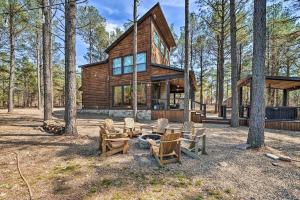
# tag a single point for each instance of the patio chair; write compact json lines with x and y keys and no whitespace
{"x":109,"y":125}
{"x":112,"y":143}
{"x":191,"y":139}
{"x":168,"y":151}
{"x":161,"y":126}
{"x":130,"y":128}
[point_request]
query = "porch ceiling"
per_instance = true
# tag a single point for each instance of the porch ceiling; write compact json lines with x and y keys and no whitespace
{"x":275,"y":82}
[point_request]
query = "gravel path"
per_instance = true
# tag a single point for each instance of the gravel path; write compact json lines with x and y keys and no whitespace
{"x":60,"y":167}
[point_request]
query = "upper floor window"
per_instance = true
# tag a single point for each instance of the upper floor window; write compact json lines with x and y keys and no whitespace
{"x":141,"y":62}
{"x":156,"y":39}
{"x":117,"y":66}
{"x":162,"y":48}
{"x":167,"y":55}
{"x":128,"y":63}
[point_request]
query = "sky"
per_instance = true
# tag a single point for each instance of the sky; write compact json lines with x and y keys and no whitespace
{"x":117,"y":12}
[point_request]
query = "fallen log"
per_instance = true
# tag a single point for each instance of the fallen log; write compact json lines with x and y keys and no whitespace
{"x":54,"y":127}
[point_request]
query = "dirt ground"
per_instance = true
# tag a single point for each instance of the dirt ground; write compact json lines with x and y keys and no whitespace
{"x":65,"y":167}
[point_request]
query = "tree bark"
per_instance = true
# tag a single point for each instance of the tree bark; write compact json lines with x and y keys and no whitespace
{"x":234,"y":68}
{"x":12,"y":59}
{"x":134,"y":74}
{"x":46,"y":63}
{"x":70,"y":67}
{"x":257,"y":116}
{"x":201,"y":76}
{"x":186,"y":65}
{"x":38,"y":69}
{"x":221,"y":64}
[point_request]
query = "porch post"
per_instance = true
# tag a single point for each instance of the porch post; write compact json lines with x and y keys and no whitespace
{"x":285,"y":97}
{"x":241,"y":109}
{"x":168,"y":94}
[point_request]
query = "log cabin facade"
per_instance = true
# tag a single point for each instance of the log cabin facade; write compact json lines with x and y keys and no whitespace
{"x":106,"y":85}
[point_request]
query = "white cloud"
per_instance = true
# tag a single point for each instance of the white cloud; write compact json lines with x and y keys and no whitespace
{"x":172,"y":3}
{"x":111,"y":26}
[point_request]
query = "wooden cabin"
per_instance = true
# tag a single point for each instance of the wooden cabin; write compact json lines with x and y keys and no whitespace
{"x":106,"y":85}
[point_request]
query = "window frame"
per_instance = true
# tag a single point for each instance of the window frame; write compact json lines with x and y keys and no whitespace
{"x":122,"y":64}
{"x":121,"y":67}
{"x":122,"y":104}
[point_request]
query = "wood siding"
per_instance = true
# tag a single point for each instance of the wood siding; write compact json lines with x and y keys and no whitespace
{"x":94,"y":87}
{"x":156,"y":55}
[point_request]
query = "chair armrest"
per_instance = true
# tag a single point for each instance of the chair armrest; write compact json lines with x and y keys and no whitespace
{"x":117,"y":139}
{"x":177,"y":140}
{"x":152,"y":142}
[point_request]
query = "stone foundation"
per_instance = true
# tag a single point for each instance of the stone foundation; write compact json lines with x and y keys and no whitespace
{"x":141,"y":114}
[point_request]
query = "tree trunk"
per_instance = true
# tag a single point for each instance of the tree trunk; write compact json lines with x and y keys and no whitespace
{"x":257,"y":116}
{"x":221,"y":64}
{"x":12,"y":59}
{"x":186,"y":65}
{"x":134,"y":74}
{"x":50,"y":56}
{"x":234,"y":68}
{"x":38,"y":69}
{"x":46,"y":64}
{"x":70,"y":67}
{"x":201,"y":76}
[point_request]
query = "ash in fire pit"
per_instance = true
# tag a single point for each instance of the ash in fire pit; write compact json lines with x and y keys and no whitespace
{"x":144,"y":144}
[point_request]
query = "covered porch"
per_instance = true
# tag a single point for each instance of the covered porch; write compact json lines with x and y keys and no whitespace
{"x":167,"y":99}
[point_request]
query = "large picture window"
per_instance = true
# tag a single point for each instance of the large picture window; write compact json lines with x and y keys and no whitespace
{"x":122,"y":95}
{"x":141,"y":62}
{"x":142,"y":94}
{"x":117,"y":66}
{"x":117,"y":92}
{"x":128,"y":62}
{"x":127,"y":95}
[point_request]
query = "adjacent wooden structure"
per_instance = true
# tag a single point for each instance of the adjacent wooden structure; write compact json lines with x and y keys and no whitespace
{"x":107,"y":84}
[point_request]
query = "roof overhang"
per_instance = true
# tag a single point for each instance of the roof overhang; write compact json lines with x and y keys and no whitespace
{"x":275,"y":82}
{"x":94,"y":64}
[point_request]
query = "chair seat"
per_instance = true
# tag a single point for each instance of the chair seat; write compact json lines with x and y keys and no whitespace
{"x":117,"y":144}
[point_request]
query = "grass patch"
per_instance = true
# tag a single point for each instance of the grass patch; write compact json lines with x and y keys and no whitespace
{"x":228,"y":190}
{"x":199,"y":183}
{"x":5,"y":186}
{"x":157,"y":188}
{"x":199,"y":197}
{"x":216,"y":194}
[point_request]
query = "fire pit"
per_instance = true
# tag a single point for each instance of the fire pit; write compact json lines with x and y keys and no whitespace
{"x":144,"y":144}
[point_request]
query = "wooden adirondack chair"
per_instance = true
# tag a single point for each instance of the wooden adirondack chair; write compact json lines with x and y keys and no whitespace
{"x":191,"y":139}
{"x":168,"y":150}
{"x":161,"y":126}
{"x":130,"y":128}
{"x":112,"y":143}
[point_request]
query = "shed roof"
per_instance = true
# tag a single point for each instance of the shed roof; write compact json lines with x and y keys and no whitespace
{"x":160,"y":19}
{"x":275,"y":82}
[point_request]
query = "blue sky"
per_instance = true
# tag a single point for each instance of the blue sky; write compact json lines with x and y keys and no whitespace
{"x":117,"y":12}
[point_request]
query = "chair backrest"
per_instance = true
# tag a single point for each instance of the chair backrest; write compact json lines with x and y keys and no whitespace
{"x":188,"y":126}
{"x":162,"y":124}
{"x":109,"y":124}
{"x":169,"y":146}
{"x":129,"y":122}
{"x":200,"y":131}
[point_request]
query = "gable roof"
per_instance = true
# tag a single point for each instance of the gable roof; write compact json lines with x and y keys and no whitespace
{"x":157,"y":12}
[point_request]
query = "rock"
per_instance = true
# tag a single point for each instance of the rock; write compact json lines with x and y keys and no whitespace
{"x":275,"y":164}
{"x":223,"y":164}
{"x":243,"y":146}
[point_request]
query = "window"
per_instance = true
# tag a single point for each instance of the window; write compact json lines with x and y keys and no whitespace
{"x":122,"y":95}
{"x":127,"y":95}
{"x":117,"y":66}
{"x":167,"y":55}
{"x":141,"y":94}
{"x":162,"y":48}
{"x":127,"y":63}
{"x":141,"y":62}
{"x":156,"y":39}
{"x":117,"y":92}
